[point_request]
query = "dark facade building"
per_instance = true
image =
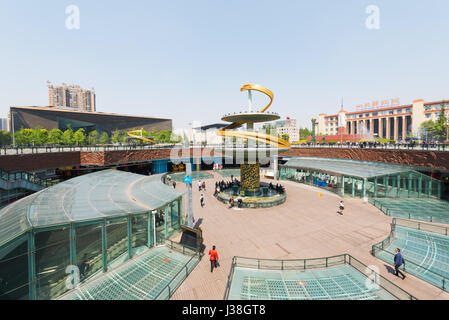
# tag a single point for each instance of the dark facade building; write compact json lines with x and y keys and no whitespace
{"x":58,"y":118}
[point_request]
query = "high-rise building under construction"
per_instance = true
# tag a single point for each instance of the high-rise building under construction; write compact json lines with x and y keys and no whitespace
{"x":71,"y":96}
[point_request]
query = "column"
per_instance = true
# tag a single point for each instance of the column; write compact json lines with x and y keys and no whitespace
{"x":429,"y":192}
{"x":364,"y":188}
{"x":151,"y":231}
{"x":104,"y":246}
{"x":409,"y":184}
{"x":353,"y":187}
{"x":31,"y":266}
{"x":72,"y":245}
{"x":419,"y":186}
{"x":129,"y":236}
{"x":398,"y":191}
{"x":404,"y":127}
{"x":381,"y":127}
{"x":387,"y":128}
{"x":396,"y":128}
{"x":342,"y":186}
{"x":375,"y":187}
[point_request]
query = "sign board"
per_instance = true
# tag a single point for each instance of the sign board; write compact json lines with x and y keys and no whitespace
{"x":187,"y":179}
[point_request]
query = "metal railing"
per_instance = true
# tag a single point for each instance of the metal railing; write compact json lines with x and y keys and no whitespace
{"x":168,"y":290}
{"x":392,"y":146}
{"x":23,"y":175}
{"x":407,"y":214}
{"x":413,"y":268}
{"x":315,"y":263}
{"x":54,"y":149}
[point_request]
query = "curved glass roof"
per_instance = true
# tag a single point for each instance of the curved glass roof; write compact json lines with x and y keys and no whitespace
{"x":92,"y":196}
{"x":362,"y":169}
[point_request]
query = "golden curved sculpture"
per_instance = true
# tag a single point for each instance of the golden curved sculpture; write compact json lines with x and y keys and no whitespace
{"x":251,"y":117}
{"x":258,"y":87}
{"x":133,"y":134}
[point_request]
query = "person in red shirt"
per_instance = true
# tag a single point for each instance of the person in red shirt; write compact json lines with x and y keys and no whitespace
{"x":213,"y":258}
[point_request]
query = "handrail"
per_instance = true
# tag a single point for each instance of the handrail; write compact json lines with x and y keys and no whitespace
{"x":380,"y":247}
{"x":344,"y":259}
{"x":185,"y":267}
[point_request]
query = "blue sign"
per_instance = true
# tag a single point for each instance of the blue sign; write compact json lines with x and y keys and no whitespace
{"x":187,"y":179}
{"x":425,"y":131}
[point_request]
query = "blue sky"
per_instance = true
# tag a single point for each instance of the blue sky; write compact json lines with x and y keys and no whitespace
{"x":186,"y":60}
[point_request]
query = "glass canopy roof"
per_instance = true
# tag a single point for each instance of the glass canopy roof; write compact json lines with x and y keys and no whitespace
{"x":92,"y":196}
{"x":361,"y":169}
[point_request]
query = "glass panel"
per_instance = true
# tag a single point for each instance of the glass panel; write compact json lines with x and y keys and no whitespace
{"x":117,"y":238}
{"x":139,"y":233}
{"x":175,"y":215}
{"x":88,"y":250}
{"x":14,"y":270}
{"x":160,"y":226}
{"x":52,"y":258}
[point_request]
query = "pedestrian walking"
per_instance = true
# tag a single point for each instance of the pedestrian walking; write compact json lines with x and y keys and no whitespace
{"x":174,"y":184}
{"x":202,"y":200}
{"x":213,"y":258}
{"x":204,"y":185}
{"x":199,"y":185}
{"x":342,"y":207}
{"x":398,"y":261}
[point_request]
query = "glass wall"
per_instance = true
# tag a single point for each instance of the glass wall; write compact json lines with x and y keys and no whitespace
{"x":89,"y":250}
{"x":14,"y":270}
{"x":409,"y":184}
{"x":34,"y":265}
{"x":117,"y":239}
{"x":52,"y":256}
{"x":160,"y":225}
{"x":139,"y":233}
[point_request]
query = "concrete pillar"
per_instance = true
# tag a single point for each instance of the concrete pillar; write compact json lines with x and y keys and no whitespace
{"x":381,"y":128}
{"x":396,"y":128}
{"x":387,"y":128}
{"x":404,"y":127}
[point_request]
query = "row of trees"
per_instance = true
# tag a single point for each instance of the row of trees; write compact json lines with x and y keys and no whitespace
{"x":436,"y":131}
{"x":39,"y":136}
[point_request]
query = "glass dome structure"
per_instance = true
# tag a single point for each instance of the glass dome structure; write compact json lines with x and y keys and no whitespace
{"x":92,"y":222}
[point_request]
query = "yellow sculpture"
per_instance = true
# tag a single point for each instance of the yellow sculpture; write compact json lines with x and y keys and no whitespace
{"x":249,"y":118}
{"x":133,"y":134}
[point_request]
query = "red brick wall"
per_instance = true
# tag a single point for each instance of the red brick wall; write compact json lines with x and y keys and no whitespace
{"x":40,"y":161}
{"x":428,"y":159}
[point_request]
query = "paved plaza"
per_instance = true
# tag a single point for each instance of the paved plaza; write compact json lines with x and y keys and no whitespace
{"x":305,"y":226}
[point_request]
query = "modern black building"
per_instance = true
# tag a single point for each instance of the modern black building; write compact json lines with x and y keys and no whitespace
{"x":60,"y":118}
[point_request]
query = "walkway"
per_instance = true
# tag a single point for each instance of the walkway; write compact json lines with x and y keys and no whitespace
{"x":305,"y":226}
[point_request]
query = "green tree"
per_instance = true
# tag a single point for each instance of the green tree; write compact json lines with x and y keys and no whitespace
{"x":67,"y":137}
{"x":164,"y":136}
{"x":441,"y":125}
{"x":115,"y":138}
{"x":429,"y":128}
{"x":286,"y":137}
{"x":55,"y":137}
{"x":92,"y":138}
{"x":39,"y":136}
{"x":5,"y":138}
{"x":23,"y":137}
{"x":304,"y":133}
{"x":104,"y":138}
{"x":79,"y":137}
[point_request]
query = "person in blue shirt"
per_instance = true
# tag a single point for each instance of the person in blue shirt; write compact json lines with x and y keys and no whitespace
{"x":398,"y":261}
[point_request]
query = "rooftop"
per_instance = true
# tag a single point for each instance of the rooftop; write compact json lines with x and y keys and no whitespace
{"x":89,"y":197}
{"x":361,"y":169}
